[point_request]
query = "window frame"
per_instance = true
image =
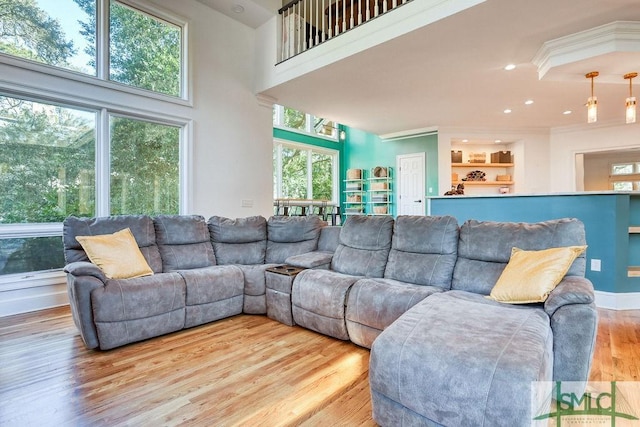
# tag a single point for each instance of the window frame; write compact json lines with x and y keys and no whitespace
{"x":278,"y":123}
{"x":102,"y":56}
{"x":102,"y":171}
{"x":278,"y":144}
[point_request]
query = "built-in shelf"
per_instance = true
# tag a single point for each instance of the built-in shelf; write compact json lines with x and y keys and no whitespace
{"x":481,"y":165}
{"x":500,"y":183}
{"x":633,"y":271}
{"x":492,"y":173}
{"x":634,"y":230}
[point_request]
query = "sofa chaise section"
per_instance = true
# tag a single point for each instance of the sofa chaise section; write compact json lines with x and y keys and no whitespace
{"x":458,"y":359}
{"x":484,"y":250}
{"x":480,"y":355}
{"x":420,"y":263}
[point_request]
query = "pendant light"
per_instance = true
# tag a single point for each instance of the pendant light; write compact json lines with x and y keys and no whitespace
{"x":592,"y":102}
{"x":631,"y":100}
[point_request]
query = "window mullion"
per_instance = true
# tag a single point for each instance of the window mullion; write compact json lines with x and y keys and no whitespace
{"x":279,"y":171}
{"x":102,"y":39}
{"x":103,"y":166}
{"x":310,"y":174}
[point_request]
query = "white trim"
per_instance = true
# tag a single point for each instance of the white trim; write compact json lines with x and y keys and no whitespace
{"x":21,"y":293}
{"x":12,"y":282}
{"x":431,"y":130}
{"x":618,"y":301}
{"x":25,"y":230}
{"x":334,"y":152}
{"x":617,"y":36}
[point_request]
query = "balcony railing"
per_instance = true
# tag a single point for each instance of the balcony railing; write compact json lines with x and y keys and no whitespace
{"x":309,"y":23}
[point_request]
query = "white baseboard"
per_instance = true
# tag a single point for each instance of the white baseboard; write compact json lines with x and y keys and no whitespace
{"x":31,"y":293}
{"x":618,"y":301}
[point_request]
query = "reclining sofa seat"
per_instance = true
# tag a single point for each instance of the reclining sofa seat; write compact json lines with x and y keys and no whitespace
{"x":421,"y":262}
{"x":213,"y":291}
{"x":255,"y":244}
{"x":319,"y":296}
{"x":486,"y":359}
{"x":113,"y":312}
{"x":243,"y":242}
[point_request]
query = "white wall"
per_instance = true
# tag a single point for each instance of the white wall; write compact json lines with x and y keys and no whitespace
{"x":567,"y":142}
{"x":232,"y":132}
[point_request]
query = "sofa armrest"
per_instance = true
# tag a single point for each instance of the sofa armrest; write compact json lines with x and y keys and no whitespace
{"x":574,"y":321}
{"x":82,"y":279}
{"x":315,"y":259}
{"x":85,"y":268}
{"x":571,"y":290}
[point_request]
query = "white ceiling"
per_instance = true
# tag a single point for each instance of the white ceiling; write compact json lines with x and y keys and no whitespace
{"x":450,"y":73}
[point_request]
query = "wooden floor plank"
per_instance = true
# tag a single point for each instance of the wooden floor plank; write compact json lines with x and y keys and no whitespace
{"x":242,"y":371}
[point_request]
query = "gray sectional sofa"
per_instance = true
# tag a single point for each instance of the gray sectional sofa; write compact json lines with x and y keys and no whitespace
{"x":412,"y":289}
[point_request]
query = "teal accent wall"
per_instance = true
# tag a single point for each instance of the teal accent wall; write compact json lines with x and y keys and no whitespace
{"x":606,"y":218}
{"x":363,"y":150}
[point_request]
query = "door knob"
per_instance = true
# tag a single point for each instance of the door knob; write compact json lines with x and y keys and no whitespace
{"x":417,"y":201}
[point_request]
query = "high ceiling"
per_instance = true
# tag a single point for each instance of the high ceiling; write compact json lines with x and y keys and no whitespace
{"x":451,"y":73}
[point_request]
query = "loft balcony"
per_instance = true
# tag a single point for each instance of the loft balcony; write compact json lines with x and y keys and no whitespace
{"x":308,"y":35}
{"x":305,"y":24}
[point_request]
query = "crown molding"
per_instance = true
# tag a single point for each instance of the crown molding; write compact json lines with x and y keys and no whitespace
{"x":411,"y":133}
{"x":617,"y":36}
{"x":266,"y":100}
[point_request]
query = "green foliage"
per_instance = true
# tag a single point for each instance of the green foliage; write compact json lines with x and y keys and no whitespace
{"x":295,"y":174}
{"x":322,"y":176}
{"x":27,"y":31}
{"x":144,"y":51}
{"x":46,"y":158}
{"x":294,"y":119}
{"x":144,"y":167}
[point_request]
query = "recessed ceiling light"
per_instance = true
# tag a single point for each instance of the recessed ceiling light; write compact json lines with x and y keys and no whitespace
{"x":528,"y":102}
{"x":237,"y":8}
{"x":510,"y":67}
{"x":507,"y":111}
{"x":498,"y":141}
{"x":567,"y":112}
{"x":465,"y":140}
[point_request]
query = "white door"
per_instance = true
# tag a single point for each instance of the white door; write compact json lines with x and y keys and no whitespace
{"x":411,"y":173}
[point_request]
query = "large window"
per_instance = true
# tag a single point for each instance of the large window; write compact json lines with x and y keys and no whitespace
{"x":86,"y":152}
{"x":305,"y":172}
{"x":144,"y":167}
{"x":47,"y":158}
{"x":141,"y":50}
{"x":48,"y":167}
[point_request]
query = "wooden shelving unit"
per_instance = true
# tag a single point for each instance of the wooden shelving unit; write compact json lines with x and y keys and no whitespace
{"x":462,"y":168}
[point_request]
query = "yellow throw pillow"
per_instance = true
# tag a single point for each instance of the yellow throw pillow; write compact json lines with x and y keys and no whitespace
{"x":531,"y":275}
{"x":117,"y":254}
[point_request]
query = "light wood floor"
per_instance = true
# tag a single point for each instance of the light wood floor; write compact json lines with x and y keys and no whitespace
{"x":241,"y":371}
